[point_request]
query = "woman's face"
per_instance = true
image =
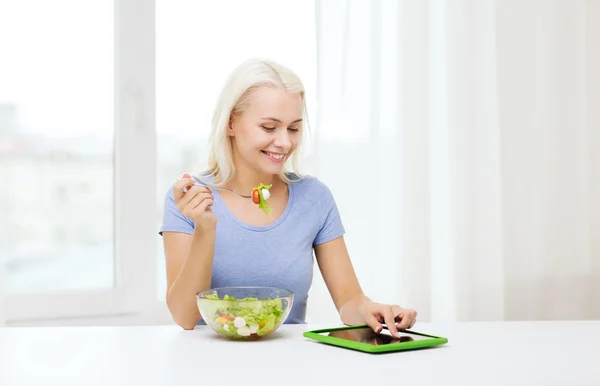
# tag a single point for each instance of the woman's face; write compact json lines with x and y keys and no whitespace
{"x":268,"y":131}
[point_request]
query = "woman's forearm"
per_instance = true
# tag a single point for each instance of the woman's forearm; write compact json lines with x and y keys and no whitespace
{"x":195,"y":276}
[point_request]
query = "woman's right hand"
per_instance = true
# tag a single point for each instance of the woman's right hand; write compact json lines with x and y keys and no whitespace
{"x":195,"y":203}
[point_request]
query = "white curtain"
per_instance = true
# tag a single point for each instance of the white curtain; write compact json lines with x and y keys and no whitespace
{"x":461,"y":140}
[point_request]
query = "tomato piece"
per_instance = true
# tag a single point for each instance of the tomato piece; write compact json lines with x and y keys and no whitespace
{"x":255,"y":196}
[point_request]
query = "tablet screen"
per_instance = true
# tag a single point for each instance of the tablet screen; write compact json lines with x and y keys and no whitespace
{"x":367,"y":335}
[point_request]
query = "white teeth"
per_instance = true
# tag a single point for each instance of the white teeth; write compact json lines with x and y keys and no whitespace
{"x":276,"y":156}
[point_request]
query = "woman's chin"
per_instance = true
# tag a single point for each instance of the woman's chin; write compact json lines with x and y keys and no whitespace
{"x":270,"y":169}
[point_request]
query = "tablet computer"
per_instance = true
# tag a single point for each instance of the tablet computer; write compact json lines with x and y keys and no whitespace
{"x":363,"y":338}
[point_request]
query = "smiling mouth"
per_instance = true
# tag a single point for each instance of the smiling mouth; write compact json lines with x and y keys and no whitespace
{"x":275,"y":156}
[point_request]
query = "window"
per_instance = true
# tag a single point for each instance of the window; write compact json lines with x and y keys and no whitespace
{"x":56,"y":133}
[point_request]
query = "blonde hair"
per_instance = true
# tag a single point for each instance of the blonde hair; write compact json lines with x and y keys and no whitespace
{"x":234,"y":98}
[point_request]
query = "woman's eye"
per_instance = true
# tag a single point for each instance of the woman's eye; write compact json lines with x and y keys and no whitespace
{"x":267,"y":128}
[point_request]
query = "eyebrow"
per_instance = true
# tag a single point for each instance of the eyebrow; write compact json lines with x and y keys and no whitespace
{"x":277,"y":120}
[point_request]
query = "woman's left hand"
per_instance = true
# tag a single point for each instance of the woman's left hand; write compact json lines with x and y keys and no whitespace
{"x":395,"y":317}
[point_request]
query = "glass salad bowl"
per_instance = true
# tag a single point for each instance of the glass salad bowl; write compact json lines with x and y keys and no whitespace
{"x":244,"y":313}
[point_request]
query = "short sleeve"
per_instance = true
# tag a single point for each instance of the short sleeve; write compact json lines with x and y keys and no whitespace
{"x":173,"y":220}
{"x":329,"y":218}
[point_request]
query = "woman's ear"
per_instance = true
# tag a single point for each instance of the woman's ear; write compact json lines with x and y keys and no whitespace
{"x":230,"y":130}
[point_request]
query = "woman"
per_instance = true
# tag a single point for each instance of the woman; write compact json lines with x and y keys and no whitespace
{"x":215,"y":238}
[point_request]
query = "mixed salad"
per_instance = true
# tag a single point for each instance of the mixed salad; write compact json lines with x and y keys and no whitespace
{"x":239,"y":320}
{"x":260,"y":195}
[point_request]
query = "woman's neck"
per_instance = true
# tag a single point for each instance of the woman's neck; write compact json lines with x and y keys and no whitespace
{"x":246,"y":179}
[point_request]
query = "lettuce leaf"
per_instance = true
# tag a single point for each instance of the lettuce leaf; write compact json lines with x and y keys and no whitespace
{"x":262,"y":203}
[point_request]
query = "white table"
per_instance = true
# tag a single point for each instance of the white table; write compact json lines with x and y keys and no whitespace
{"x":527,"y":353}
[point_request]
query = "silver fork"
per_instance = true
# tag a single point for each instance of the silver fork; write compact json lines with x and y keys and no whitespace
{"x":215,"y":187}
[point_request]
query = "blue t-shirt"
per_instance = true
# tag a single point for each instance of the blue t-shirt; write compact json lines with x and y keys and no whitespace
{"x":276,"y":255}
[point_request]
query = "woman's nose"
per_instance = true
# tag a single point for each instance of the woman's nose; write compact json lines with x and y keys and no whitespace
{"x":283,"y":139}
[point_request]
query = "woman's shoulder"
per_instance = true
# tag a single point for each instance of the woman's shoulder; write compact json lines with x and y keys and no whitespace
{"x":310,"y":186}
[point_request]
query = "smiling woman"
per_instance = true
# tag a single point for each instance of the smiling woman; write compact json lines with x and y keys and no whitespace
{"x":246,"y":149}
{"x":247,"y":249}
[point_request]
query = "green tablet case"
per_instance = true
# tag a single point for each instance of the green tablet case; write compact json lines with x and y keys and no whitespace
{"x":323,"y":336}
